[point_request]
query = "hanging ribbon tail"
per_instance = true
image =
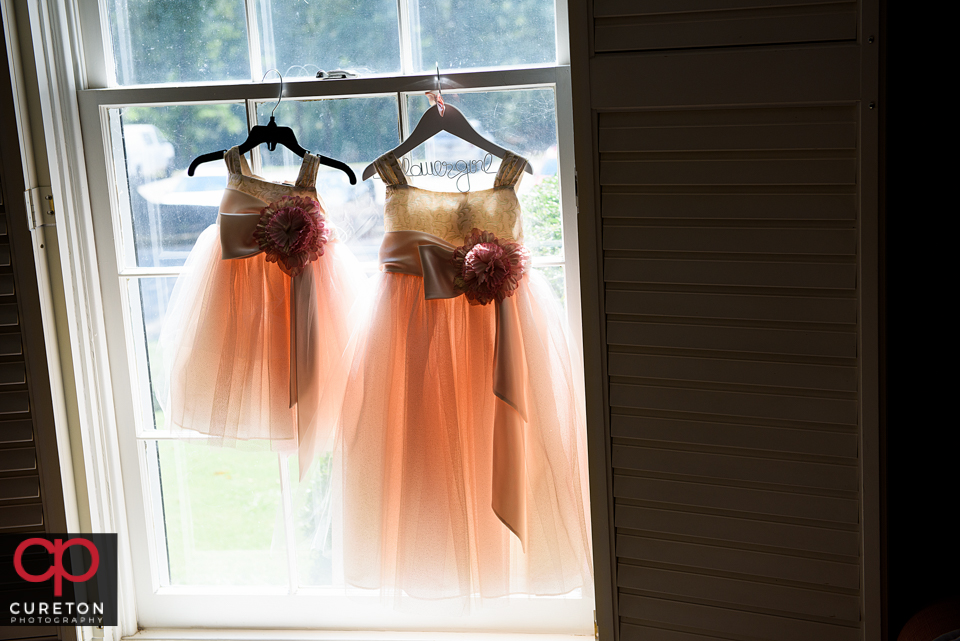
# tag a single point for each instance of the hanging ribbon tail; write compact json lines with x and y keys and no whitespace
{"x":510,"y":377}
{"x":304,"y":353}
{"x":509,"y":362}
{"x":436,"y":98}
{"x":293,"y":342}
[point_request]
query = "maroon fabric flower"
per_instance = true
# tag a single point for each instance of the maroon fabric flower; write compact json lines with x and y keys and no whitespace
{"x":488,"y":268}
{"x":291,"y":233}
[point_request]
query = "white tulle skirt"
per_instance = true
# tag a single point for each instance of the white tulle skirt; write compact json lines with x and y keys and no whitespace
{"x":413,"y":463}
{"x":226,"y":345}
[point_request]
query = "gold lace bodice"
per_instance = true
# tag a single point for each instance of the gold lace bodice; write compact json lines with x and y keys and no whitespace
{"x":242,"y":179}
{"x":452,"y":215}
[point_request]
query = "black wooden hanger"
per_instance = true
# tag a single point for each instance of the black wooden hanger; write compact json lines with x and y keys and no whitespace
{"x":273,"y":134}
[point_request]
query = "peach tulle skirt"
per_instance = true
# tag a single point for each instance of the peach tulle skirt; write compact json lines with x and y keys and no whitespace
{"x":414,"y":456}
{"x":226,"y":337}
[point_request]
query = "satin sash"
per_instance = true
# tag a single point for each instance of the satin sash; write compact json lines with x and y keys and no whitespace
{"x":422,"y":254}
{"x":237,"y":227}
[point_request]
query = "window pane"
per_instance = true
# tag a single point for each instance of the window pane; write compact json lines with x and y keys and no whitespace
{"x":313,"y":521}
{"x":162,"y":209}
{"x":148,"y":301}
{"x":523,"y":121}
{"x":542,"y":230}
{"x":355,"y":131}
{"x":299,"y":36}
{"x":554,"y":276}
{"x":161,"y":41}
{"x":222,"y":513}
{"x":462,"y":34}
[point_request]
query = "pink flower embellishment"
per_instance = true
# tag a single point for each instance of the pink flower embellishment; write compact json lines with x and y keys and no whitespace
{"x":488,"y":268}
{"x":291,"y":232}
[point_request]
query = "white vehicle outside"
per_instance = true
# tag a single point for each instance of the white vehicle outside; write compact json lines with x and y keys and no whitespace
{"x":149,"y":153}
{"x":204,"y":189}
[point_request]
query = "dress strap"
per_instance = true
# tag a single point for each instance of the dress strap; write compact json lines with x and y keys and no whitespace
{"x":234,"y":161}
{"x":511,"y":170}
{"x":389,"y":169}
{"x":307,"y":179}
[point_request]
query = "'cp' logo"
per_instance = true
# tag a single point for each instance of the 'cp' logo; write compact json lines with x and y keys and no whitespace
{"x":56,"y":570}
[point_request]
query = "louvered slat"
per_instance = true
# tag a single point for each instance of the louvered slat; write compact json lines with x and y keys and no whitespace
{"x":16,"y":432}
{"x":718,"y":589}
{"x":708,"y":496}
{"x":813,"y":572}
{"x":721,"y":370}
{"x":21,"y":516}
{"x":790,"y":536}
{"x":12,"y":374}
{"x":769,"y":339}
{"x":641,"y":26}
{"x":10,"y":345}
{"x":718,"y":203}
{"x":828,"y":273}
{"x":756,"y":307}
{"x":751,"y":625}
{"x":797,"y":474}
{"x":22,"y":487}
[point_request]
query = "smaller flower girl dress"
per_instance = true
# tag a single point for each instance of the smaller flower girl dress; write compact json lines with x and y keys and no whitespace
{"x":259,"y":316}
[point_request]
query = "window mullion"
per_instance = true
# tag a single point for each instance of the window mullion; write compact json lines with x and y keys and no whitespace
{"x":288,"y":524}
{"x":569,"y":207}
{"x":548,"y":261}
{"x":143,"y":272}
{"x":253,"y":40}
{"x":404,"y":117}
{"x":403,"y":25}
{"x":125,"y":67}
{"x":234,"y":92}
{"x":256,"y":162}
{"x":99,"y":65}
{"x":562,"y":30}
{"x":120,"y":188}
{"x":154,"y":509}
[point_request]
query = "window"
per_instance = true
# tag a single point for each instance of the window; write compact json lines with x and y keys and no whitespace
{"x":229,"y":537}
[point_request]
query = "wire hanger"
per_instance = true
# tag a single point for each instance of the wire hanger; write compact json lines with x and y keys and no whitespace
{"x":272,"y":135}
{"x":437,"y":119}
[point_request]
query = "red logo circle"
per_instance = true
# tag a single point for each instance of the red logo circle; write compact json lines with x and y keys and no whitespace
{"x":56,"y":570}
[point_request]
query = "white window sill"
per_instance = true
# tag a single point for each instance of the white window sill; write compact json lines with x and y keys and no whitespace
{"x":195,"y":634}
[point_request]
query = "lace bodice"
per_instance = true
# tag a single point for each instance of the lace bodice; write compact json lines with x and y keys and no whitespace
{"x":241,"y":179}
{"x":451,"y":215}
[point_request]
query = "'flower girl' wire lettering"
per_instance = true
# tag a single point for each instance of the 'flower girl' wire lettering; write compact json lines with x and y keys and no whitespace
{"x":459,"y":170}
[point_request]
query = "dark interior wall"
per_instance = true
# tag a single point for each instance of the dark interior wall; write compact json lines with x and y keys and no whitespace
{"x":923,"y":461}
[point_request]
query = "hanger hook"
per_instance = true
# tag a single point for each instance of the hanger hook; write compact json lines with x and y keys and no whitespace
{"x":439,"y":88}
{"x":279,"y":97}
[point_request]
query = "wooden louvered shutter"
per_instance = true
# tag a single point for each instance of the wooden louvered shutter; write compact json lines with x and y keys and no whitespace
{"x":31,"y":496}
{"x":727,"y":182}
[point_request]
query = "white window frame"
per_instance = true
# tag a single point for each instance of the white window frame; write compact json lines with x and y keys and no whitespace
{"x":73,"y":86}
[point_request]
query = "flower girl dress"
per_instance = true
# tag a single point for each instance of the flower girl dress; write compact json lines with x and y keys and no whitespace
{"x":259,"y":316}
{"x":462,"y":446}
